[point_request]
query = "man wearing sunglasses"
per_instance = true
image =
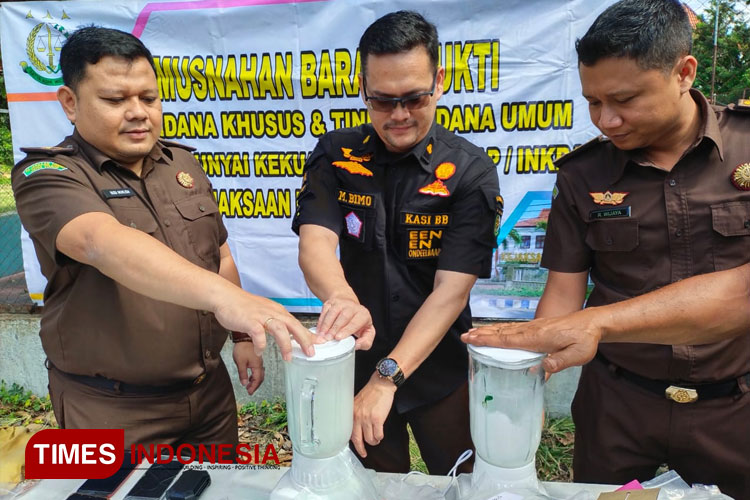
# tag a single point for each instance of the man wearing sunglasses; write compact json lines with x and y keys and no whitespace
{"x":413,"y":209}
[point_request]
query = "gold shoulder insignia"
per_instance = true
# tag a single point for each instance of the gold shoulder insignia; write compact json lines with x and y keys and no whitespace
{"x":586,"y":146}
{"x":50,"y":150}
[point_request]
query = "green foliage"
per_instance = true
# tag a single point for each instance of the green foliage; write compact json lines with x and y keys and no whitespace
{"x":19,"y":406}
{"x":514,"y":236}
{"x":554,"y":458}
{"x":733,"y":54}
{"x":6,"y":146}
{"x":273,"y":413}
{"x":3,"y":94}
{"x":517,"y":291}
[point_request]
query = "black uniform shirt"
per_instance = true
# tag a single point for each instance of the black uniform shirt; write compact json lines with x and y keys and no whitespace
{"x":400,"y":218}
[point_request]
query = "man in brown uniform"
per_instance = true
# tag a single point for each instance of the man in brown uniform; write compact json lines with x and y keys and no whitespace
{"x":140,"y":276}
{"x":664,"y":197}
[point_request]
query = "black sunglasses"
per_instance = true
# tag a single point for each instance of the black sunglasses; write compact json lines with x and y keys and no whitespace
{"x":410,"y":102}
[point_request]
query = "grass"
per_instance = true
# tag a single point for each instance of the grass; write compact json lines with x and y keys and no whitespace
{"x":516,"y":291}
{"x":271,"y":416}
{"x":19,"y":407}
{"x":554,"y":458}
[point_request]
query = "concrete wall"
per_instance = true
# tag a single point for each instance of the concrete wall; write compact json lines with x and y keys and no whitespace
{"x":22,"y":362}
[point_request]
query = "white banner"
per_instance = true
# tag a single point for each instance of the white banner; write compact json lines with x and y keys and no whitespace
{"x":252,"y":83}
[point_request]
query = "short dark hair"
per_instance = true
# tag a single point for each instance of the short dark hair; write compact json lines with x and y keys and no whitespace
{"x":398,"y":32}
{"x":88,"y":45}
{"x":653,"y":32}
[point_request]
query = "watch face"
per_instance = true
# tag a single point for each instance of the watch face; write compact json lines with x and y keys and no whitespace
{"x":387,"y":367}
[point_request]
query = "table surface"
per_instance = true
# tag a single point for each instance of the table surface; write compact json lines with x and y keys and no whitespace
{"x":228,"y":480}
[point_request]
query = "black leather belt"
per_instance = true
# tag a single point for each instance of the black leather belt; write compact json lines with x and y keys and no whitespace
{"x":118,"y":387}
{"x":680,"y":392}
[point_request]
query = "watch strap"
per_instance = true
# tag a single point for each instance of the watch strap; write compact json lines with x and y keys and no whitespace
{"x":397,"y":378}
{"x":241,"y":337}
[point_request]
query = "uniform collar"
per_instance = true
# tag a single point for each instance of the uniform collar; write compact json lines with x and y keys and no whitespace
{"x":422,"y":151}
{"x":98,"y":159}
{"x":709,"y":130}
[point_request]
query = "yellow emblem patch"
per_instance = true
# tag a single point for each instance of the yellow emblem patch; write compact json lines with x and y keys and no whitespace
{"x":445,"y":171}
{"x":353,"y":168}
{"x":436,"y":188}
{"x":741,"y":177}
{"x":608,"y":198}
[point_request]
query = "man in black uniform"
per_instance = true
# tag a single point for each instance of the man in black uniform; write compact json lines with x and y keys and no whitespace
{"x":411,"y":207}
{"x":139,"y":272}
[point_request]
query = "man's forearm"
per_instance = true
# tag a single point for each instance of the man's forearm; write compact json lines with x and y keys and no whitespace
{"x":322,"y":269}
{"x":145,"y":265}
{"x":698,"y":310}
{"x":433,"y":319}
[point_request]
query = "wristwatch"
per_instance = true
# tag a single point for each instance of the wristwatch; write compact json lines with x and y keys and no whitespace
{"x":388,"y":368}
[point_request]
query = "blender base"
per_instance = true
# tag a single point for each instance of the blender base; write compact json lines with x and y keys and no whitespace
{"x":341,"y":476}
{"x":487,"y":476}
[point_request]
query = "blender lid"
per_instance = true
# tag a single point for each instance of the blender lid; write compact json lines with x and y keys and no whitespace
{"x":330,"y":350}
{"x":506,"y":358}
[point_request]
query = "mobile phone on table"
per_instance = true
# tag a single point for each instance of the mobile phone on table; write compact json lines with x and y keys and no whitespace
{"x":155,"y":481}
{"x":189,"y":485}
{"x":105,"y":488}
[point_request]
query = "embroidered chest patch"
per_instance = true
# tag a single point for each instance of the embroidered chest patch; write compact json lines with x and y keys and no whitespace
{"x":42,"y":165}
{"x":353,"y":224}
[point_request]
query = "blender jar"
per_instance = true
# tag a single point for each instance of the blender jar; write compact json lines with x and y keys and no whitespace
{"x":506,"y":400}
{"x":320,"y":398}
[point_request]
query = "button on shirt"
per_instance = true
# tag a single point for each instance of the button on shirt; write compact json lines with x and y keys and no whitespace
{"x":92,"y":325}
{"x":400,"y":218}
{"x":638,"y":228}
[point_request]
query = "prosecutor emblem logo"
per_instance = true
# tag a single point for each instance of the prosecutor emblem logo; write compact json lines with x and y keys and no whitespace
{"x":741,"y":177}
{"x":43,"y":45}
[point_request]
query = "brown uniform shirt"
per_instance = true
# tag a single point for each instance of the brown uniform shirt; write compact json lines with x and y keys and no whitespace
{"x":655,"y":228}
{"x":92,"y":325}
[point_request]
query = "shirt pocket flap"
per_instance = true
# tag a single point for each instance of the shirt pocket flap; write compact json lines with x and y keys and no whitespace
{"x":613,"y":235}
{"x":136,"y":217}
{"x":731,"y":218}
{"x":195,"y":207}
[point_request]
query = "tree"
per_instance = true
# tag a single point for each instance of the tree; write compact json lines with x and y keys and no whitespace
{"x":733,"y":55}
{"x":514,"y":236}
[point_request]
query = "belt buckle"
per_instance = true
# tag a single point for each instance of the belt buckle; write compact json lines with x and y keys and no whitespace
{"x":681,"y":394}
{"x":199,"y":379}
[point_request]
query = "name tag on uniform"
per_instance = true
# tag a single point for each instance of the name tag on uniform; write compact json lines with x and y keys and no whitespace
{"x":420,"y":219}
{"x":117,"y":193}
{"x":610,"y":213}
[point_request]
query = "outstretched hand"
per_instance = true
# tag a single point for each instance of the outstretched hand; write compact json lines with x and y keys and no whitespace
{"x":254,"y":315}
{"x":569,"y":340}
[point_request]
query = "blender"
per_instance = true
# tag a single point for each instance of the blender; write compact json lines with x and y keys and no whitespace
{"x":506,"y":402}
{"x":320,"y":406}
